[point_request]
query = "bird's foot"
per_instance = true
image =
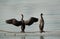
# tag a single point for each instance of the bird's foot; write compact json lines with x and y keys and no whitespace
{"x":42,"y":31}
{"x":22,"y":31}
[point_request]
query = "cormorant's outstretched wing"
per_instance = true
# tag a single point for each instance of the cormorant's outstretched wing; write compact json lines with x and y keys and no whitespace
{"x":16,"y":23}
{"x":31,"y":21}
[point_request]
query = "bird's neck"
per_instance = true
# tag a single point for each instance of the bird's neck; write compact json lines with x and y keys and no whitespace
{"x":22,"y":18}
{"x":41,"y":17}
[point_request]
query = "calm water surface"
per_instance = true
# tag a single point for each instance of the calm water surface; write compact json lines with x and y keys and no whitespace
{"x":29,"y":37}
{"x":13,"y":8}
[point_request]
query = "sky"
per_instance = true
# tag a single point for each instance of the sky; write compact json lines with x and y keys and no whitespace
{"x":13,"y":8}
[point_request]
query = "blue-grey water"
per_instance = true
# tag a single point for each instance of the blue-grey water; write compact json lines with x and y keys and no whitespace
{"x":13,"y":8}
{"x":29,"y":37}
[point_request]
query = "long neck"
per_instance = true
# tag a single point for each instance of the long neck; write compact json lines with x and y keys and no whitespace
{"x":41,"y":17}
{"x":22,"y":18}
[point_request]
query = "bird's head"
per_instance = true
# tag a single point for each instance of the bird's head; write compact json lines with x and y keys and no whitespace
{"x":41,"y":14}
{"x":22,"y":15}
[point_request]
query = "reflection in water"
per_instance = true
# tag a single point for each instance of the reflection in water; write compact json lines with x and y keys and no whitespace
{"x":32,"y":37}
{"x":22,"y":37}
{"x":41,"y":37}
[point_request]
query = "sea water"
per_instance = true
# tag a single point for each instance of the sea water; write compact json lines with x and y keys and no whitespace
{"x":13,"y":8}
{"x":30,"y":37}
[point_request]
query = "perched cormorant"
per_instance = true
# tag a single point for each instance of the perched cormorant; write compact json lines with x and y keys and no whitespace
{"x":22,"y":22}
{"x":41,"y":25}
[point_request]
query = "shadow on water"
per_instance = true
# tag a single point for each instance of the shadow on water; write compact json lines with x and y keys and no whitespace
{"x":32,"y":37}
{"x":23,"y":37}
{"x":8,"y":36}
{"x":4,"y":36}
